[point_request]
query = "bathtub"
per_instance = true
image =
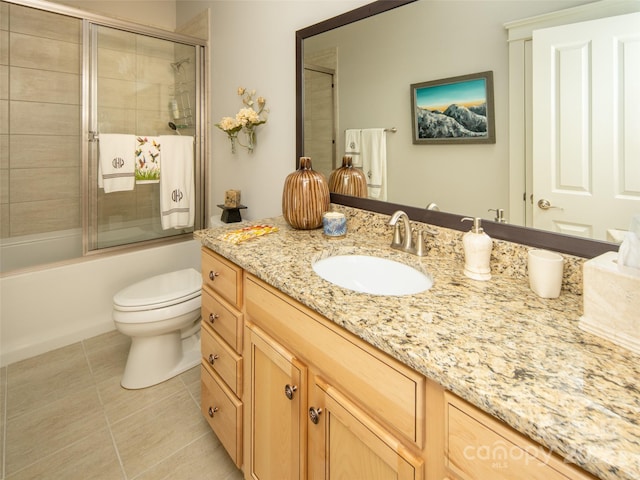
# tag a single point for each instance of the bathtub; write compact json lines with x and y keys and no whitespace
{"x":62,"y":304}
{"x":30,"y":250}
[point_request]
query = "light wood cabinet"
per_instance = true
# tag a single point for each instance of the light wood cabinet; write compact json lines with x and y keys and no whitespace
{"x":360,"y":417}
{"x":293,"y":396}
{"x":276,"y":420}
{"x":480,"y":447}
{"x":346,"y":442}
{"x":221,"y":339}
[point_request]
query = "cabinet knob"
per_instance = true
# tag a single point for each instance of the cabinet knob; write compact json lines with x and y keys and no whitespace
{"x":314,"y":414}
{"x":213,"y":317}
{"x":213,"y":275}
{"x":212,"y":411}
{"x":213,"y":358}
{"x":289,"y":390}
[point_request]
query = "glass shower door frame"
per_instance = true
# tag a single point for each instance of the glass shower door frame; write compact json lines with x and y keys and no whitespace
{"x":90,"y":135}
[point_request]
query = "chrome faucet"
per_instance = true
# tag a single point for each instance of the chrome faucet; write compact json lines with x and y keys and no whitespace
{"x":402,"y":242}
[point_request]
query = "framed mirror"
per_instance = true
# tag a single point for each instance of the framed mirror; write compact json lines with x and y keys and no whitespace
{"x":462,"y":165}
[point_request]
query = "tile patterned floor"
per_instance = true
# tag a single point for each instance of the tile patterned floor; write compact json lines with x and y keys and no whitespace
{"x":64,"y":415}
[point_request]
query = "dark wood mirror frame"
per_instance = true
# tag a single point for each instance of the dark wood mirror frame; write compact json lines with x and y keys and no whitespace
{"x":577,"y":246}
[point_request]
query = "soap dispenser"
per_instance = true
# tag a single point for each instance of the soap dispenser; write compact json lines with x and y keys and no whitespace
{"x":477,"y":251}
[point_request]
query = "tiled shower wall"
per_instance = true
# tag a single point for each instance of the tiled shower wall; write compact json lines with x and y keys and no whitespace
{"x":135,"y":85}
{"x":40,"y":170}
{"x":40,"y":118}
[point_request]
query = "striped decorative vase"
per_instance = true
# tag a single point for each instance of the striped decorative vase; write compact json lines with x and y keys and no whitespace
{"x":348,"y":180}
{"x":305,"y":197}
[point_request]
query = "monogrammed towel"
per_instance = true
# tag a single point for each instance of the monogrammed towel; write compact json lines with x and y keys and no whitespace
{"x":116,"y":162}
{"x":177,"y":190}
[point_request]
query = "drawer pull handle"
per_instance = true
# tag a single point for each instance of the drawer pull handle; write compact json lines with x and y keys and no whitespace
{"x":314,"y":415}
{"x":289,"y":390}
{"x":213,"y":275}
{"x":213,"y":317}
{"x":213,"y":358}
{"x":212,"y":411}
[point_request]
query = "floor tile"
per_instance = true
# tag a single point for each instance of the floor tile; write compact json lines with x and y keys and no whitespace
{"x":37,"y":381}
{"x":191,"y":379}
{"x":204,"y":459}
{"x":43,"y":431}
{"x":95,"y":454}
{"x":147,"y":437}
{"x":120,"y":403}
{"x":65,"y":414}
{"x":108,"y":361}
{"x":108,"y":339}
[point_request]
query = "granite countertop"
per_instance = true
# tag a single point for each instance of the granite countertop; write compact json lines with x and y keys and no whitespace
{"x":496,"y":344}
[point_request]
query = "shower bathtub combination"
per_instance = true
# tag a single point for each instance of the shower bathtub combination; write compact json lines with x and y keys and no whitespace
{"x":74,"y":76}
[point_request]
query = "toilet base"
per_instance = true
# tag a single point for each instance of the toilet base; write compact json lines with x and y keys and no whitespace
{"x":153,"y":360}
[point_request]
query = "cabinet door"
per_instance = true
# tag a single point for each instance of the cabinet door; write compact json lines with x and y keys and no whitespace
{"x":277,"y":386}
{"x":344,"y":442}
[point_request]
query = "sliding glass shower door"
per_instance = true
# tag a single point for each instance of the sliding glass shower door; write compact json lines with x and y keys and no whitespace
{"x":68,"y":80}
{"x":141,"y":90}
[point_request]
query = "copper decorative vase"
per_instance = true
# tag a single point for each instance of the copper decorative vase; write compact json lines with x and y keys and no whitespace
{"x":348,"y":180}
{"x":305,"y":197}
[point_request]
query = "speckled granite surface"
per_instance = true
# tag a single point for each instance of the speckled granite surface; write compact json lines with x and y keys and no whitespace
{"x":496,"y":344}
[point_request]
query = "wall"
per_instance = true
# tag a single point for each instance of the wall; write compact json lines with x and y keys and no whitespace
{"x":40,"y":69}
{"x":253,"y":45}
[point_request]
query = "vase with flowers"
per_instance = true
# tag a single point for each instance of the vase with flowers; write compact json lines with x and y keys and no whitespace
{"x":246,"y":120}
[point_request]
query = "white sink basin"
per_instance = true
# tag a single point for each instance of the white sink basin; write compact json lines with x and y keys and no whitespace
{"x":374,"y":275}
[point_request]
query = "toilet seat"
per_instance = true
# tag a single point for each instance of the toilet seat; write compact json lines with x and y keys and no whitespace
{"x":160,"y":291}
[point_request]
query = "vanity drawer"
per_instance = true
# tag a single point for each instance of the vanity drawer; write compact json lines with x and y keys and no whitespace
{"x":224,"y":361}
{"x":222,"y":276}
{"x":223,"y":319}
{"x":223,"y":411}
{"x":478,"y":447}
{"x":389,"y":390}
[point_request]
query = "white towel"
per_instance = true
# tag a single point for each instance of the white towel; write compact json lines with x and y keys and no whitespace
{"x":374,"y":161}
{"x":352,"y":144}
{"x":116,"y":163}
{"x":177,"y":189}
{"x":148,"y":159}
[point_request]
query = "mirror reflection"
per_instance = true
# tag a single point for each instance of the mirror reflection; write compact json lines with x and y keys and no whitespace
{"x":357,"y":79}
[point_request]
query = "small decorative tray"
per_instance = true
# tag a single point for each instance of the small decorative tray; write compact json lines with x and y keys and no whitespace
{"x":242,"y":234}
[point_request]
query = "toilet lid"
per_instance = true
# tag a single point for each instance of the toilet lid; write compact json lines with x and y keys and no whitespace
{"x":161,"y":290}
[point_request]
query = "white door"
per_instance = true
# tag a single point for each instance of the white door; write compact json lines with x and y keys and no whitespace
{"x":586,"y":126}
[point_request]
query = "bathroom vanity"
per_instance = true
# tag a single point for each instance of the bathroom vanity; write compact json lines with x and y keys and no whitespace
{"x":468,"y":380}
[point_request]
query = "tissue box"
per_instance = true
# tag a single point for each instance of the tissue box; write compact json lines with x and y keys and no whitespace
{"x":612,"y":301}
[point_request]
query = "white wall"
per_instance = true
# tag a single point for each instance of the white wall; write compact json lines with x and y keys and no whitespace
{"x":253,"y":45}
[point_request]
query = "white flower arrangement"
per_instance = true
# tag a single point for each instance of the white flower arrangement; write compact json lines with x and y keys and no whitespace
{"x":246,"y":119}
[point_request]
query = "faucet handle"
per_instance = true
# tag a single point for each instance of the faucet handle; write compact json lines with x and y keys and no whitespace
{"x":397,"y":238}
{"x":421,"y":248}
{"x":420,"y":243}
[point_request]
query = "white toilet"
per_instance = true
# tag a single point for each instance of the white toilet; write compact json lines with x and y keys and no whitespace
{"x":162,"y":316}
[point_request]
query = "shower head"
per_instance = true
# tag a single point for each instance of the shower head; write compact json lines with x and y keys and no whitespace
{"x":177,"y":65}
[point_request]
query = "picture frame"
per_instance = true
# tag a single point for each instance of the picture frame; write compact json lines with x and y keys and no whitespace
{"x":454,"y":110}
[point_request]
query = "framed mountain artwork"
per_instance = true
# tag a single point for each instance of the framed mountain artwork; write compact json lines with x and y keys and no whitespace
{"x":454,"y":110}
